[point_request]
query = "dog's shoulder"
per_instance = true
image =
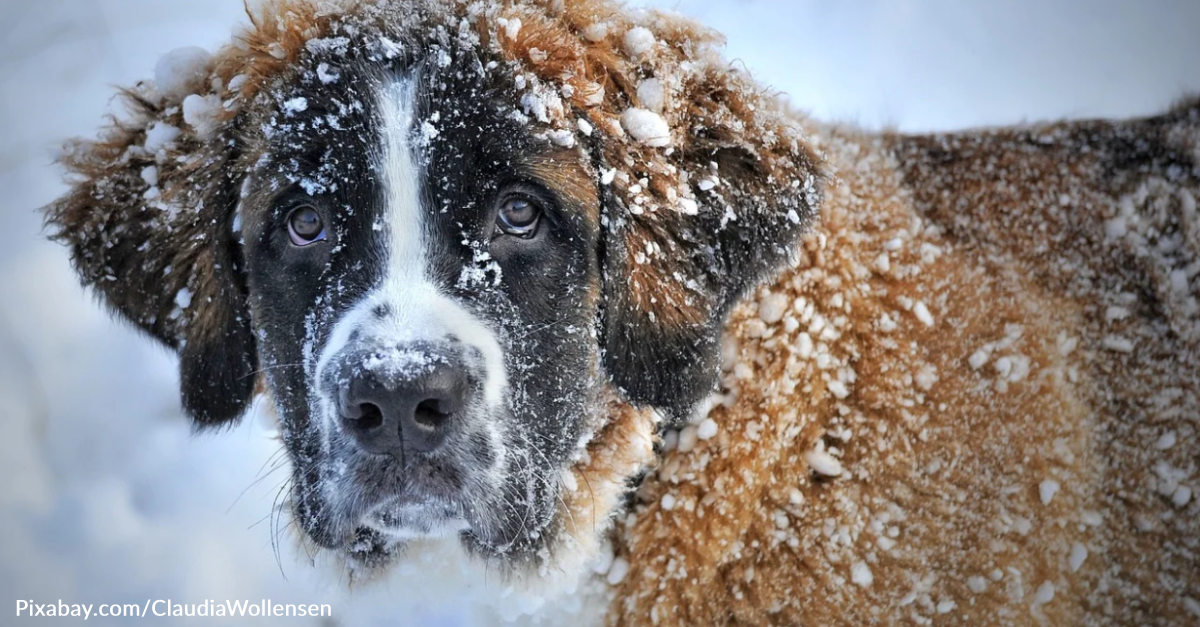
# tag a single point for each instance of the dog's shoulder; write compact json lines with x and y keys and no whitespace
{"x":1072,"y":184}
{"x":929,"y":406}
{"x":1101,"y":211}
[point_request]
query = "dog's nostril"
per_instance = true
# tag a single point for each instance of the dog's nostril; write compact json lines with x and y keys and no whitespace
{"x":432,"y":412}
{"x":396,"y":408}
{"x":370,"y":416}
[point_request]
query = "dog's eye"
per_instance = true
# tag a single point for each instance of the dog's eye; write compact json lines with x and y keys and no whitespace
{"x":305,"y":226}
{"x":518,"y":216}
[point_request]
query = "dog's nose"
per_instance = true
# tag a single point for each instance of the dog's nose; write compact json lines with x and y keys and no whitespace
{"x":404,"y":400}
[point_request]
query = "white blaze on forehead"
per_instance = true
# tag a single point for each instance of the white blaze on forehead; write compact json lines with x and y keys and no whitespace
{"x":401,"y":182}
{"x":417,"y":309}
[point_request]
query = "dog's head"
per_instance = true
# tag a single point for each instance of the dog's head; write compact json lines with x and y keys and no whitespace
{"x":442,"y":236}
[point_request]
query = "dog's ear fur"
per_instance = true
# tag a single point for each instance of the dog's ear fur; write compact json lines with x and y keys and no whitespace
{"x":670,"y":281}
{"x":692,"y":219}
{"x":148,"y":220}
{"x":150,"y":216}
{"x":673,"y":272}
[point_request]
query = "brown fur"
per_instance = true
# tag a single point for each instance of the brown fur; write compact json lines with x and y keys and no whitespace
{"x":1008,"y":238}
{"x":561,"y":172}
{"x":942,"y":475}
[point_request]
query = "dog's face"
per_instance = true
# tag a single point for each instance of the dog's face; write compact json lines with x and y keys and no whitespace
{"x":443,"y":243}
{"x":423,"y":280}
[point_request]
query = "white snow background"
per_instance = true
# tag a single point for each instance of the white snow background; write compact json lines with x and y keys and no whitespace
{"x":105,"y":497}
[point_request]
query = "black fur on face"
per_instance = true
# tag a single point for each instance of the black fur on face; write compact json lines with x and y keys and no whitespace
{"x":361,"y":294}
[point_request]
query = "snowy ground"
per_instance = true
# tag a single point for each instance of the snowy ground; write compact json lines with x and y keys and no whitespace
{"x":105,"y":497}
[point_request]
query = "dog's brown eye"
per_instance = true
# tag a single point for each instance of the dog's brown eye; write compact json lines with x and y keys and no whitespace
{"x":305,"y":226}
{"x":518,"y":216}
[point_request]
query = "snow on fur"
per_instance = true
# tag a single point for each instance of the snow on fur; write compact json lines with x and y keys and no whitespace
{"x":150,"y":190}
{"x":864,"y":463}
{"x":572,"y":62}
{"x":947,"y":436}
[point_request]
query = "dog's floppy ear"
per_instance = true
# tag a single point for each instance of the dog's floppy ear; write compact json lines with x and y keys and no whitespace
{"x":732,"y":201}
{"x":707,"y":184}
{"x":149,"y":221}
{"x":706,"y":180}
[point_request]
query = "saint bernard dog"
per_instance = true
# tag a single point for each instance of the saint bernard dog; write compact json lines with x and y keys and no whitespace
{"x":555,"y":285}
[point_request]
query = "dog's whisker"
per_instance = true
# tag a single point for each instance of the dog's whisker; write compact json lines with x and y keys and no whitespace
{"x":277,"y":509}
{"x":542,"y":328}
{"x":271,"y":367}
{"x":261,"y":475}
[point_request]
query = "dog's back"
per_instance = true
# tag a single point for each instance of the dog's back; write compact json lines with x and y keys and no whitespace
{"x":974,"y":400}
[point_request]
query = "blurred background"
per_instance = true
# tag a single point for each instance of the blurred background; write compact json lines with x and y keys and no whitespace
{"x":105,"y":497}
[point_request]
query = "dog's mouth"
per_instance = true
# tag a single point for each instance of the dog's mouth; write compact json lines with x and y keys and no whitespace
{"x":410,"y":517}
{"x":377,"y":532}
{"x":370,"y":522}
{"x":352,"y":496}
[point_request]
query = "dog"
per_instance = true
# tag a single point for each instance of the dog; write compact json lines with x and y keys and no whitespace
{"x":553,"y":285}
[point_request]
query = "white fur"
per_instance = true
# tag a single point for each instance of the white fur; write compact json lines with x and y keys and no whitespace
{"x":419,"y":310}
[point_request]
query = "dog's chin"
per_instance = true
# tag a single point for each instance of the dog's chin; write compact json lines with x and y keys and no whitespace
{"x":406,"y":519}
{"x":380,"y":536}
